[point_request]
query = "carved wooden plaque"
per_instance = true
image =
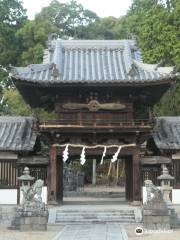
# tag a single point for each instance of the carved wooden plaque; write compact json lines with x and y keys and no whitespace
{"x":94,"y":106}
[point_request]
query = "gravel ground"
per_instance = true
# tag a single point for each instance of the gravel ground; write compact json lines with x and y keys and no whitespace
{"x":167,"y":235}
{"x":6,"y":234}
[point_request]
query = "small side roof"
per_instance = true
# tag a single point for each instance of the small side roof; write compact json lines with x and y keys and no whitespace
{"x":167,"y":133}
{"x":92,"y":61}
{"x":17,"y":133}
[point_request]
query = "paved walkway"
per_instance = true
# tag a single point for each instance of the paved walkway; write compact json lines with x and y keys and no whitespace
{"x":93,"y":232}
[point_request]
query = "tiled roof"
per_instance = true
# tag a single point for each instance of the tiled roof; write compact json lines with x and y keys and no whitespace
{"x":92,"y":61}
{"x":167,"y":133}
{"x":17,"y":133}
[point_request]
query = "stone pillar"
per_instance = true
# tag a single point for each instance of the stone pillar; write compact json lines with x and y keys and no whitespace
{"x":136,"y":175}
{"x":94,"y":172}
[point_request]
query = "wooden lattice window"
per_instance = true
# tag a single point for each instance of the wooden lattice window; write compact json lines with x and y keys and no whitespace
{"x":8,"y":174}
{"x":151,"y":173}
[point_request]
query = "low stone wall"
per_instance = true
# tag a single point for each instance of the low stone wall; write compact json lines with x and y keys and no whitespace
{"x":38,"y":223}
{"x":7,"y":214}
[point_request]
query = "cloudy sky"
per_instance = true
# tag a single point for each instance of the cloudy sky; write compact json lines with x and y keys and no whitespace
{"x":103,"y":8}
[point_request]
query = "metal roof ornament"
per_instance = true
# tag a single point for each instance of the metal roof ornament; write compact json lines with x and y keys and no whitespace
{"x":51,"y":37}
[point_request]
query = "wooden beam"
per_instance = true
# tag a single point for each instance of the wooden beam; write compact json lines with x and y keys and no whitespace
{"x":33,"y":160}
{"x":153,"y":160}
{"x":136,"y":174}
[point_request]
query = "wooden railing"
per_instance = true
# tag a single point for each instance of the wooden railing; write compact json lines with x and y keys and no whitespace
{"x":96,"y":123}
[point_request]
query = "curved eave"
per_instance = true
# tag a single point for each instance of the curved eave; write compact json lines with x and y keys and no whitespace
{"x":163,"y":80}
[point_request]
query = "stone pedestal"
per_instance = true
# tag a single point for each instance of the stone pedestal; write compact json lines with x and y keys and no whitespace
{"x":33,"y":223}
{"x":157,"y":218}
{"x":156,"y":213}
{"x":31,"y":220}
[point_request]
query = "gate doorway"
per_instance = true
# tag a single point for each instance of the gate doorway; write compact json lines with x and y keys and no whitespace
{"x":94,"y":183}
{"x":132,"y":181}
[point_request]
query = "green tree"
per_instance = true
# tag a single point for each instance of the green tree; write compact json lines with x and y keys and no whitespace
{"x":62,"y":18}
{"x":156,"y":26}
{"x":13,"y":104}
{"x":33,"y":36}
{"x":100,"y":29}
{"x":12,"y":17}
{"x":71,"y":16}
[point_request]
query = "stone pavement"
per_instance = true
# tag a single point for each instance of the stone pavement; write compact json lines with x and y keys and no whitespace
{"x":106,"y":231}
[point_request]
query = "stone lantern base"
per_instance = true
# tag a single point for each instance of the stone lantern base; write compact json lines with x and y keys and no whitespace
{"x":31,"y":218}
{"x":157,"y":215}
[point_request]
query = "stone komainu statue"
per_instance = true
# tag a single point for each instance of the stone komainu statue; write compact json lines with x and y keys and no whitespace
{"x":33,"y":193}
{"x":153,"y":193}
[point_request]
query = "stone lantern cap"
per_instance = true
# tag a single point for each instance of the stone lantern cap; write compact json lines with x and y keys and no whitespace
{"x":165,"y":175}
{"x":26,"y":175}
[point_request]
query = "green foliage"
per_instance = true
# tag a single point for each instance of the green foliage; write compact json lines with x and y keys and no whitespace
{"x":33,"y":36}
{"x":100,"y":29}
{"x":170,"y":103}
{"x":62,"y":18}
{"x":14,"y":104}
{"x":70,"y":16}
{"x":155,"y":24}
{"x":12,"y":17}
{"x":43,"y":115}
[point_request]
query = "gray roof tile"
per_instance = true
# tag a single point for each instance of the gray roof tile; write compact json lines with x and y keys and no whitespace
{"x":167,"y":133}
{"x":17,"y":133}
{"x":92,"y":61}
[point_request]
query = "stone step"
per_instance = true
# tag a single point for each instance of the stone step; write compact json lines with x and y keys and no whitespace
{"x":95,"y":216}
{"x":80,"y":212}
{"x":95,"y":221}
{"x":95,"y":194}
{"x":78,"y":218}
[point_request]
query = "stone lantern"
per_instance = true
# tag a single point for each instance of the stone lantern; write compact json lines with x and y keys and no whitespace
{"x":165,"y":178}
{"x":26,"y":181}
{"x":32,"y":214}
{"x":26,"y":178}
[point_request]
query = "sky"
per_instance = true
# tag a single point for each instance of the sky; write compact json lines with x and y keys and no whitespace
{"x":102,"y":8}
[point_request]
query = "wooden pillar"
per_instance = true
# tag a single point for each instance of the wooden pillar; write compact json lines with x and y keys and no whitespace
{"x":60,"y":180}
{"x":94,"y":172}
{"x":55,"y":178}
{"x":136,"y":174}
{"x":129,"y":179}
